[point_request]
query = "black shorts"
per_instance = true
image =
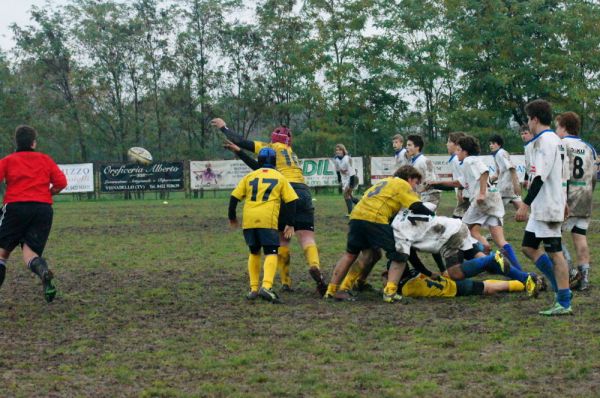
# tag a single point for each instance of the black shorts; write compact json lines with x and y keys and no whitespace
{"x":551,"y":245}
{"x":353,"y":181}
{"x":261,"y":237}
{"x":25,"y":223}
{"x":469,"y":287}
{"x":305,"y":211}
{"x":370,"y":235}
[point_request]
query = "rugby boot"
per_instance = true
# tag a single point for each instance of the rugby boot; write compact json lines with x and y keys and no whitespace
{"x":557,"y":310}
{"x":269,"y":295}
{"x":317,"y":276}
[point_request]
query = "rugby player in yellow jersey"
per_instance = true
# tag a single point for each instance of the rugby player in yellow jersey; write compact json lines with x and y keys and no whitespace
{"x":369,"y":228}
{"x":304,"y":225}
{"x":420,"y":285}
{"x":263,"y":190}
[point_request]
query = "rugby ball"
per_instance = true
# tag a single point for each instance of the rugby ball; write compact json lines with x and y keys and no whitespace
{"x":139,"y":155}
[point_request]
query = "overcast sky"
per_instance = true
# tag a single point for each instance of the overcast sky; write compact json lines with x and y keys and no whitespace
{"x":17,"y":11}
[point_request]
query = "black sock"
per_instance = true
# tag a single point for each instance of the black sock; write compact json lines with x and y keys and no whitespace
{"x":349,"y":205}
{"x":439,"y":262}
{"x":38,"y":266}
{"x":2,"y":271}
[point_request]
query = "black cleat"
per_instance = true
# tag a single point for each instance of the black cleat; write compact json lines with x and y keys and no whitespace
{"x":269,"y":295}
{"x":49,"y":288}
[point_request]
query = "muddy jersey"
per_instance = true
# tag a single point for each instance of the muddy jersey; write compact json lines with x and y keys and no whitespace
{"x":545,"y":162}
{"x":425,"y":233}
{"x":425,"y":167}
{"x":401,"y":158}
{"x":504,"y":165}
{"x":473,"y":168}
{"x":384,"y":200}
{"x":287,"y":161}
{"x":581,"y":158}
{"x":424,"y":286}
{"x":344,"y":167}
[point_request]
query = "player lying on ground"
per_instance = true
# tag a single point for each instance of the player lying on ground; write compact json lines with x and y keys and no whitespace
{"x":304,"y":225}
{"x":420,"y":285}
{"x":450,"y":238}
{"x":31,"y":179}
{"x":262,"y":191}
{"x":369,"y":227}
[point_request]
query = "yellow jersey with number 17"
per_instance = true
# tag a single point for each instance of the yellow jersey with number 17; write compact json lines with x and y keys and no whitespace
{"x":287,"y":161}
{"x":383,"y":201}
{"x":262,"y":191}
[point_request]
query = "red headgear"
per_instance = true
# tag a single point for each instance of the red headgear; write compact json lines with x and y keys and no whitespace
{"x":282,"y":134}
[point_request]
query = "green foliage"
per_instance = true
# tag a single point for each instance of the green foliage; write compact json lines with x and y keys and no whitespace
{"x":99,"y":77}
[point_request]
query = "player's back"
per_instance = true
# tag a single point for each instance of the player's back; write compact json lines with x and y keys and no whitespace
{"x":262,"y":191}
{"x":424,"y":286}
{"x":287,"y":162}
{"x":581,"y":158}
{"x":382,"y":201}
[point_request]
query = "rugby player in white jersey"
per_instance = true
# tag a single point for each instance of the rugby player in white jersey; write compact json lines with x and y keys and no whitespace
{"x":346,"y":175}
{"x":505,"y":177}
{"x":581,"y":158}
{"x":547,"y":203}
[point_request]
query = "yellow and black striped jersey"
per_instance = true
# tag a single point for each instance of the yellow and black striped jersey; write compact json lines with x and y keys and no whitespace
{"x":287,"y":161}
{"x":424,"y":286}
{"x":383,"y":201}
{"x":262,"y":191}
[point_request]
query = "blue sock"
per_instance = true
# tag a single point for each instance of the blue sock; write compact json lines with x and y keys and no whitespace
{"x":517,"y":274}
{"x":476,"y":266}
{"x":545,"y":265}
{"x":508,"y":251}
{"x":563,"y":297}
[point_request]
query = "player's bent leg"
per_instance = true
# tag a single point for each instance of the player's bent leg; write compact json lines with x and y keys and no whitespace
{"x":397,"y":267}
{"x":367,"y":259}
{"x":506,"y":248}
{"x":339,"y":272}
{"x":351,"y":278}
{"x":38,"y":266}
{"x":583,"y":256}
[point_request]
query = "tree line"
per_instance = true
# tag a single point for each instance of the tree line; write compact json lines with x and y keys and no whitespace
{"x":97,"y":77}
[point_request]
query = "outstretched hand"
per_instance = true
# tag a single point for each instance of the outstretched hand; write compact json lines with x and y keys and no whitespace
{"x":218,"y":123}
{"x":227,"y":144}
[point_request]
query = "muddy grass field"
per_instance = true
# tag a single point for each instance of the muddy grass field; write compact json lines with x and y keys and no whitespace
{"x":151,"y":304}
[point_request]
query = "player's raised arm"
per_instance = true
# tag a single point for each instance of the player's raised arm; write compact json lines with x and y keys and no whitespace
{"x":243,"y":156}
{"x":236,"y":138}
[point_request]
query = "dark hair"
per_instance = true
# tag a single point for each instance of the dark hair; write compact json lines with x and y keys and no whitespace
{"x":497,"y":140}
{"x":523,"y":128}
{"x":540,"y":109}
{"x":406,"y":172}
{"x":24,"y":137}
{"x":470,"y":145}
{"x":455,"y":136}
{"x":570,"y":121}
{"x":417,"y":140}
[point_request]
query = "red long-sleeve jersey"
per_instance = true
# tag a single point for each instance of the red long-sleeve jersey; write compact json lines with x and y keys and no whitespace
{"x":28,"y":176}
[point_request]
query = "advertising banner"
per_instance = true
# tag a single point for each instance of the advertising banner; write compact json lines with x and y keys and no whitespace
{"x":161,"y":176}
{"x":225,"y":174}
{"x":382,"y":167}
{"x":80,"y":177}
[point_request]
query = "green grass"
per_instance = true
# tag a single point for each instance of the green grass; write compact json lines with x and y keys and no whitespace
{"x":151,"y":305}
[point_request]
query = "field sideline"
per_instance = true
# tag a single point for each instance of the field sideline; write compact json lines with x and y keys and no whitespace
{"x":151,"y":304}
